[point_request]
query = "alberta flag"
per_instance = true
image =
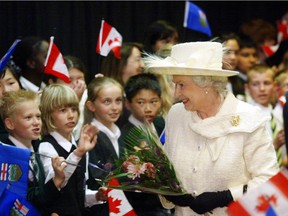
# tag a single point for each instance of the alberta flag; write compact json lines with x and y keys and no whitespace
{"x":14,"y":163}
{"x":12,"y":204}
{"x":109,"y":39}
{"x":269,"y":199}
{"x":117,"y":201}
{"x":195,"y":19}
{"x":54,"y":63}
{"x":8,"y":55}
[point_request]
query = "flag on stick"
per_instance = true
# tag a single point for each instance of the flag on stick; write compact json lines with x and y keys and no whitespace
{"x":271,"y":198}
{"x":195,"y":19}
{"x":54,"y":63}
{"x":109,"y":39}
{"x":7,"y":56}
{"x":118,"y":203}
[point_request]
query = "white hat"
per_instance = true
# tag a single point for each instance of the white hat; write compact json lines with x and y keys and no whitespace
{"x":193,"y":58}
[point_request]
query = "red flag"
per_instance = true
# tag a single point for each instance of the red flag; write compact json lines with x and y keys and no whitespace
{"x":118,"y":203}
{"x":271,"y":198}
{"x":269,"y":50}
{"x":54,"y":63}
{"x":109,"y":39}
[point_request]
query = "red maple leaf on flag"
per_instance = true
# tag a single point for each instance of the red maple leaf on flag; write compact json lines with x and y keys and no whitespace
{"x":114,"y":207}
{"x":265,"y":202}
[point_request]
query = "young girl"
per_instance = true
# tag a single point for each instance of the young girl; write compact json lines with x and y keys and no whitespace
{"x":21,"y":116}
{"x":103,"y":108}
{"x":60,"y":112}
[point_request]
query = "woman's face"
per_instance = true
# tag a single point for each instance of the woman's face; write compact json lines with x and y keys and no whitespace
{"x":230,"y":57}
{"x":187,"y":92}
{"x":8,"y":83}
{"x":134,"y":65}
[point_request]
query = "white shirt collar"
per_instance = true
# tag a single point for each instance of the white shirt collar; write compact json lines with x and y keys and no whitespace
{"x":113,"y":134}
{"x":63,"y":142}
{"x":18,"y":144}
{"x":26,"y":84}
{"x":138,"y":123}
{"x":243,"y":76}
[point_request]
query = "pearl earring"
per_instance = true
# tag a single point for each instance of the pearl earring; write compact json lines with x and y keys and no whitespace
{"x":206,"y":92}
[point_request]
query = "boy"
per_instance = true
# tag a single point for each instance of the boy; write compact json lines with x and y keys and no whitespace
{"x":143,"y":94}
{"x":22,"y":119}
{"x":261,"y":87}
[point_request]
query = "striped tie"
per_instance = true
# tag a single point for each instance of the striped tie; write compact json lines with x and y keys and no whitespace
{"x":275,"y":133}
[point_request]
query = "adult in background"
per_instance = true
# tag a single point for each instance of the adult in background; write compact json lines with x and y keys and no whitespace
{"x":218,"y":144}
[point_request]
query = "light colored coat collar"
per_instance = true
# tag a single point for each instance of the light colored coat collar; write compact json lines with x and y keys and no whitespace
{"x":229,"y":119}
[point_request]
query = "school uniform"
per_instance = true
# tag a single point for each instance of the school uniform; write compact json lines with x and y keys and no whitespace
{"x":72,"y":197}
{"x":103,"y":155}
{"x":39,"y":192}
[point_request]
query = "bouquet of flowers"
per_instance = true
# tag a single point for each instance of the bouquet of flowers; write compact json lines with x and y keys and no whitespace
{"x":145,"y":166}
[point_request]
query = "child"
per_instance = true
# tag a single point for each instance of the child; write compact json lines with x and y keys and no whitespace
{"x":21,"y":115}
{"x":261,"y":87}
{"x":103,"y":108}
{"x":9,"y":81}
{"x":60,"y":112}
{"x":143,"y":99}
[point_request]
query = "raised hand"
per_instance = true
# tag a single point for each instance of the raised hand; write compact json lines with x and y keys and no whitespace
{"x":87,"y":141}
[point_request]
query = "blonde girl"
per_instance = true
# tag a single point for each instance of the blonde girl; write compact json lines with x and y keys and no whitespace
{"x":103,"y":108}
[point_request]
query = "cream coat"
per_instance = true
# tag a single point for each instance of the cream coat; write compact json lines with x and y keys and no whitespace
{"x":222,"y":152}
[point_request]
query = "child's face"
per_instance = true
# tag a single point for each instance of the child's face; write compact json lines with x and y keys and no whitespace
{"x":247,"y":58}
{"x":108,"y":106}
{"x":230,"y":58}
{"x":25,"y":124}
{"x":8,"y":83}
{"x":65,"y":119}
{"x":261,"y":88}
{"x":145,"y":105}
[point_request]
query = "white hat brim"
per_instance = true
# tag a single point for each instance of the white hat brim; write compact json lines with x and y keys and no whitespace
{"x":192,"y":71}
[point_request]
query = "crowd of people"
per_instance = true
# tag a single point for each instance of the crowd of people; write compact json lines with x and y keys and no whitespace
{"x":219,"y":103}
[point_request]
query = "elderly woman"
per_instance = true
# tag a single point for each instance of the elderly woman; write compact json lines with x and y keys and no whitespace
{"x":218,"y":144}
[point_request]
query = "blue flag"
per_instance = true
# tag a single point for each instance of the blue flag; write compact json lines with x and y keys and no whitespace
{"x":12,"y":204}
{"x":14,"y":163}
{"x":195,"y":19}
{"x":7,"y":56}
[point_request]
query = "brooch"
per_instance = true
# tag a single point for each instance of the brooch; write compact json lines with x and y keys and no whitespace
{"x":235,"y":120}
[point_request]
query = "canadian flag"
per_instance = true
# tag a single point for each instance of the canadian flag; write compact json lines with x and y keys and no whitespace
{"x":109,"y":39}
{"x":271,"y":198}
{"x":117,"y":201}
{"x":54,"y":63}
{"x":270,"y":50}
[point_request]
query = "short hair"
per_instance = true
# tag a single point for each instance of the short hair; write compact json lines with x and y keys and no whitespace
{"x":259,"y":68}
{"x":15,"y":70}
{"x":75,"y":62}
{"x":281,"y":77}
{"x":139,"y":82}
{"x":93,"y":89}
{"x":217,"y":83}
{"x":11,"y":101}
{"x":27,"y":48}
{"x":53,"y":97}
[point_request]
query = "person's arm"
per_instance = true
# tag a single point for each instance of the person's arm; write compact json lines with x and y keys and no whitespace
{"x":260,"y":160}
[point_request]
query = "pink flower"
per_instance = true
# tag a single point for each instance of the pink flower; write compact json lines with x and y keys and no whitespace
{"x":135,"y":170}
{"x":151,"y":170}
